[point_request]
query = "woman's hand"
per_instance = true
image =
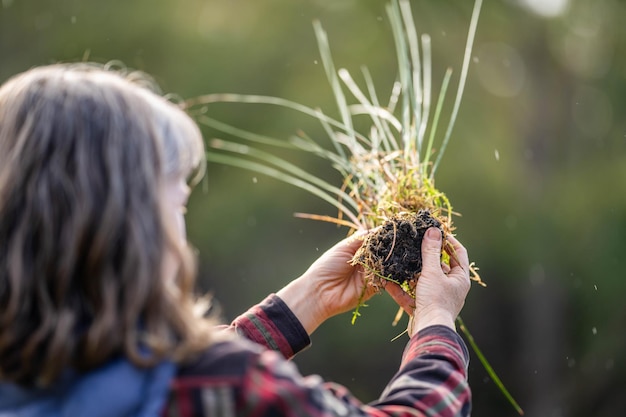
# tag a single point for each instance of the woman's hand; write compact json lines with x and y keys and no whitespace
{"x":441,"y":289}
{"x":329,"y":287}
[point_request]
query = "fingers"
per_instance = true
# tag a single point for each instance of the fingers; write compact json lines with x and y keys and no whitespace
{"x":403,"y":299}
{"x":346,"y":247}
{"x":459,"y":263}
{"x":409,"y":327}
{"x":354,"y":241}
{"x":458,"y":253}
{"x":351,"y":244}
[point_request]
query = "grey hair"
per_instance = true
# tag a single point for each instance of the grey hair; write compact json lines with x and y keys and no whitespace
{"x":84,"y":153}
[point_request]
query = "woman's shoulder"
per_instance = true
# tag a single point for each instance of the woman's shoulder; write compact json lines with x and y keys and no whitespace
{"x":228,"y":357}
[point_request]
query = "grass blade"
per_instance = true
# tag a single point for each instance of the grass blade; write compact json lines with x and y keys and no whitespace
{"x":279,"y":175}
{"x":404,"y":73}
{"x":375,"y":113}
{"x":331,"y":74}
{"x":433,"y":128}
{"x":306,"y":144}
{"x":488,"y":368}
{"x":459,"y":94}
{"x":240,"y":133}
{"x":274,"y":101}
{"x":427,"y":89}
{"x":284,"y":165}
{"x":388,"y":137}
{"x":417,"y":93}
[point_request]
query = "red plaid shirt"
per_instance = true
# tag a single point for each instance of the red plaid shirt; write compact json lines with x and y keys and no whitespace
{"x":239,"y":378}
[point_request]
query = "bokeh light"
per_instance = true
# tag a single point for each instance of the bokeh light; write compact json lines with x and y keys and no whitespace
{"x":546,"y":8}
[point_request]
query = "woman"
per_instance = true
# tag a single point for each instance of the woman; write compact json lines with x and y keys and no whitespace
{"x":97,"y":313}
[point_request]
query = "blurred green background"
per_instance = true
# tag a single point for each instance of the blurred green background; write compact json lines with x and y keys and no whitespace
{"x":536,"y":166}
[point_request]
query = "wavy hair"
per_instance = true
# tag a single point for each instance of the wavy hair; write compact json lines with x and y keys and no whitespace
{"x":84,"y":152}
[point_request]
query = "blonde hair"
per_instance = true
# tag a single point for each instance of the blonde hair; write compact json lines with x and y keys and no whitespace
{"x":84,"y":152}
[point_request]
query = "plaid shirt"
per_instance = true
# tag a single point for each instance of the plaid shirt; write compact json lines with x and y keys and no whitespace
{"x":238,"y":378}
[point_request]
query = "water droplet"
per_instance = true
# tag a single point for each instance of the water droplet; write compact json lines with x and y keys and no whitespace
{"x":497,"y":155}
{"x":255,"y":180}
{"x":73,"y":19}
{"x":315,"y":61}
{"x":594,"y":331}
{"x":595,"y":287}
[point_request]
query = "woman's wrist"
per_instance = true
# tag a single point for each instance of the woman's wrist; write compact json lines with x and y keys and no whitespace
{"x":302,"y":301}
{"x":434,"y":317}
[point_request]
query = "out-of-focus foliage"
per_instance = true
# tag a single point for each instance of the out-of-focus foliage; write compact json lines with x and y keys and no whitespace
{"x":536,"y":165}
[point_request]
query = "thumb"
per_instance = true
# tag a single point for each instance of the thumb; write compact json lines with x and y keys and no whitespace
{"x":431,"y":250}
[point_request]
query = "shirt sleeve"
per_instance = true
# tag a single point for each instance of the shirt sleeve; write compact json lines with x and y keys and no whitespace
{"x":432,"y":381}
{"x":272,"y":325}
{"x":433,"y":375}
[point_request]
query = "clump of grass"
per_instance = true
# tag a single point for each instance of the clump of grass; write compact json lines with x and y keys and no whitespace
{"x":388,"y":172}
{"x":391,"y":253}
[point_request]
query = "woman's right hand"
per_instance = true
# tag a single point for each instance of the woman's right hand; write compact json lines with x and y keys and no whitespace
{"x":441,"y":290}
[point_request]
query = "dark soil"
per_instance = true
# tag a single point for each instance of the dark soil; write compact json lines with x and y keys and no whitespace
{"x":394,"y":250}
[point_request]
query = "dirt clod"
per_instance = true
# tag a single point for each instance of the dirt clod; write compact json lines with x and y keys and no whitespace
{"x":393,"y":252}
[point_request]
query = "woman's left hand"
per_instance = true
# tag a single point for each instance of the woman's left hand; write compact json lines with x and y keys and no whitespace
{"x":329,"y":287}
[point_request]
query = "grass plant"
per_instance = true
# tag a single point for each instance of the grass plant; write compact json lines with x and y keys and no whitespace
{"x":388,"y":171}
